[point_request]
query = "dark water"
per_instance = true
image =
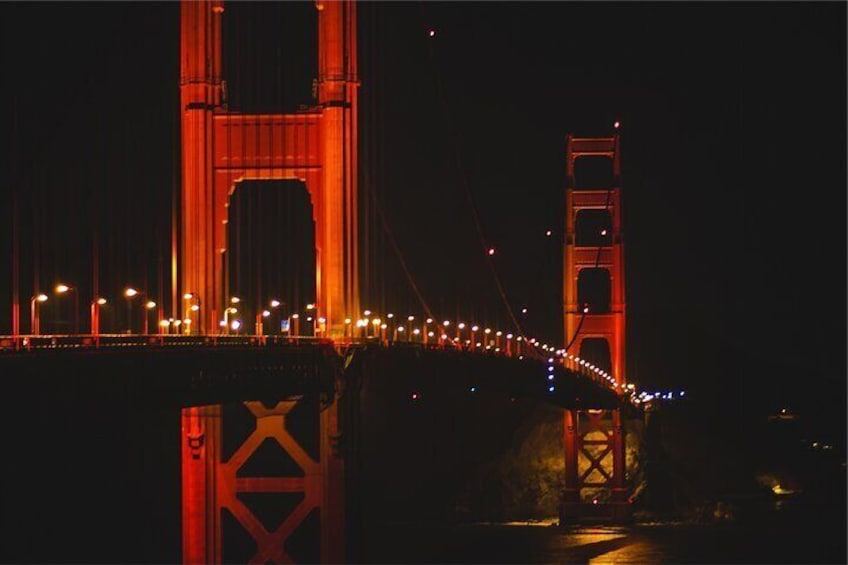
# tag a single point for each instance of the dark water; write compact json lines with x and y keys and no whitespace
{"x":810,"y":533}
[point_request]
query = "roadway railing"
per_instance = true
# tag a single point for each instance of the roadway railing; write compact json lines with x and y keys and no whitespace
{"x":29,"y":343}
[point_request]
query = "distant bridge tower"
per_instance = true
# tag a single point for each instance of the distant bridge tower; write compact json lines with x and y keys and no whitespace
{"x":594,"y":256}
{"x":221,"y":148}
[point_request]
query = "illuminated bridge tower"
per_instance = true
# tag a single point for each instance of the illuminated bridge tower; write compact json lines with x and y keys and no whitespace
{"x":594,"y":323}
{"x":221,"y":148}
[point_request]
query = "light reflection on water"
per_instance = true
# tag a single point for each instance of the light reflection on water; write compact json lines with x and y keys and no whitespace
{"x":638,"y":552}
{"x":811,"y":536}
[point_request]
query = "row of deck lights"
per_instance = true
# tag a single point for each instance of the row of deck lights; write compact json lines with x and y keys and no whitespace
{"x":370,"y":325}
{"x":130,"y":293}
{"x":378,"y":328}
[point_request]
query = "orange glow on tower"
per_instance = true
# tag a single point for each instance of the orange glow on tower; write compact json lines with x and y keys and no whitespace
{"x":605,"y":325}
{"x":221,"y":148}
{"x":595,"y":436}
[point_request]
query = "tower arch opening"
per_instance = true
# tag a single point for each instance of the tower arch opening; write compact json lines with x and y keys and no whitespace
{"x":271,"y":253}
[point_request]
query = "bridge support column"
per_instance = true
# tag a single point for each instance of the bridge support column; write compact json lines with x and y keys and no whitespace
{"x":593,"y":440}
{"x":212,"y":485}
{"x":595,"y":486}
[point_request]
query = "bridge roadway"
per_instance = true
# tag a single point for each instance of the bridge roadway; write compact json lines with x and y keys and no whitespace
{"x":196,"y":370}
{"x":90,"y":431}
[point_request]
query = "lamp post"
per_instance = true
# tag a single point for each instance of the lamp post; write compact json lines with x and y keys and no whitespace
{"x":391,"y":317}
{"x":426,"y":329}
{"x":34,"y":322}
{"x":226,"y":322}
{"x":61,"y":289}
{"x":148,"y":306}
{"x":129,"y":294}
{"x":95,"y":315}
{"x":193,"y":305}
{"x":444,"y":336}
{"x":260,"y":329}
{"x":311,"y":315}
{"x":274,"y":305}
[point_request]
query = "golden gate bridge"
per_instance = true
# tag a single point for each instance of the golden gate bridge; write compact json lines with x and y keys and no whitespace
{"x":318,"y":147}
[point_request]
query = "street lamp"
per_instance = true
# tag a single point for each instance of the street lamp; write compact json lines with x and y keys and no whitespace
{"x":426,"y":329}
{"x":226,"y":322}
{"x":274,"y":305}
{"x":260,"y":330}
{"x":149,"y":305}
{"x":129,"y":294}
{"x":61,"y":289}
{"x":195,"y":307}
{"x":312,"y":316}
{"x":34,"y":322}
{"x":95,"y":315}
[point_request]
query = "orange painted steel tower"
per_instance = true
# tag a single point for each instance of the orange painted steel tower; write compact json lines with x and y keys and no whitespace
{"x":594,"y":439}
{"x":221,"y":148}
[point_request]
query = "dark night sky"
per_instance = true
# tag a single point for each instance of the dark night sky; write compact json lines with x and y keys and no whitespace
{"x":733,"y":143}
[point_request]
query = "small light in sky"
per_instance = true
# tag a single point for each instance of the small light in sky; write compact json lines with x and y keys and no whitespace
{"x":585,"y":309}
{"x":548,"y":233}
{"x":432,"y":33}
{"x":524,"y":310}
{"x":616,"y":124}
{"x":603,"y":232}
{"x":491,"y":251}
